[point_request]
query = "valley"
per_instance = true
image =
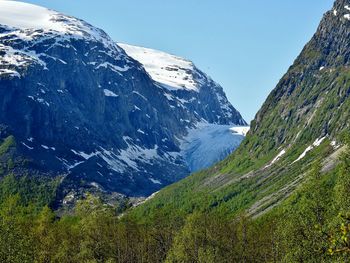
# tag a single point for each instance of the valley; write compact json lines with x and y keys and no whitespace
{"x":112,"y":152}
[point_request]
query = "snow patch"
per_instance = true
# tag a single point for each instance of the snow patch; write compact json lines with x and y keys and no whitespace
{"x":114,"y":68}
{"x":30,"y":148}
{"x":70,"y":167}
{"x":33,"y":25}
{"x":140,"y":131}
{"x":109,"y":93}
{"x":84,"y":155}
{"x":155,"y":181}
{"x":316,"y":143}
{"x":319,"y":141}
{"x":9,"y":72}
{"x":276,"y":159}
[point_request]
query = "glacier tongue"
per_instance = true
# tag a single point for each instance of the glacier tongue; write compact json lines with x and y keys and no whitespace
{"x":210,"y":143}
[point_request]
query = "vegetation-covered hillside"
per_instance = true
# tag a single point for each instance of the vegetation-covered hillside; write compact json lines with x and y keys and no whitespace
{"x":312,"y":225}
{"x":300,"y":123}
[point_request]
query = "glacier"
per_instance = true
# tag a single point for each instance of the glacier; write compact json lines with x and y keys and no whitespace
{"x":209,"y":143}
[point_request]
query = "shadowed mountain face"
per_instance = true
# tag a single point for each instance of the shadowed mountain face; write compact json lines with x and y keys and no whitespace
{"x":80,"y":107}
{"x":300,"y":122}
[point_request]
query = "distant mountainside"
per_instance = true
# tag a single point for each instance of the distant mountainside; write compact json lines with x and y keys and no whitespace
{"x":187,"y":85}
{"x":74,"y":104}
{"x":301,"y":121}
{"x":206,"y":143}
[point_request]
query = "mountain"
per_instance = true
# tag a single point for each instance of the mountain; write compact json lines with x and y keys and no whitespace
{"x":206,"y":143}
{"x":74,"y":104}
{"x":300,"y":123}
{"x":187,"y":85}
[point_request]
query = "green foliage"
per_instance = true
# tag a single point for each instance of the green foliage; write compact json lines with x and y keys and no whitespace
{"x":204,"y":238}
{"x":16,"y":240}
{"x":304,"y":228}
{"x":39,"y":191}
{"x":209,"y":225}
{"x":304,"y":225}
{"x":7,"y":144}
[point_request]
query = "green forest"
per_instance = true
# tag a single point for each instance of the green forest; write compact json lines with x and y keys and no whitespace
{"x":312,"y":225}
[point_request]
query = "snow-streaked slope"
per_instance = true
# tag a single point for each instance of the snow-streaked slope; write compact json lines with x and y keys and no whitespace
{"x":172,"y":71}
{"x":209,"y":143}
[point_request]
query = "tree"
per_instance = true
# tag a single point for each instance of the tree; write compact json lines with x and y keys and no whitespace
{"x":205,"y":237}
{"x":97,"y":225}
{"x":15,"y":232}
{"x":43,"y":232}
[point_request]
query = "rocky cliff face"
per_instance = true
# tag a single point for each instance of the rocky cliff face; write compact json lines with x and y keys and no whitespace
{"x":312,"y":99}
{"x":79,"y":106}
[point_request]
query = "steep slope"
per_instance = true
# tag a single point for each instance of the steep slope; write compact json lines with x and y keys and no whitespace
{"x":301,"y":121}
{"x":78,"y":106}
{"x":186,"y":85}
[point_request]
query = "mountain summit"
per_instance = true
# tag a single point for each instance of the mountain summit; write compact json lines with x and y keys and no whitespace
{"x":76,"y":105}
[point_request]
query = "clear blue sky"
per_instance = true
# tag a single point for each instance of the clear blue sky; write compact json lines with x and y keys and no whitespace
{"x":246,"y":46}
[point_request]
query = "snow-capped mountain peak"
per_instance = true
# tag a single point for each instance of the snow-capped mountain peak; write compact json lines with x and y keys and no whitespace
{"x":185,"y":84}
{"x":171,"y":71}
{"x":30,"y":20}
{"x":27,"y":16}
